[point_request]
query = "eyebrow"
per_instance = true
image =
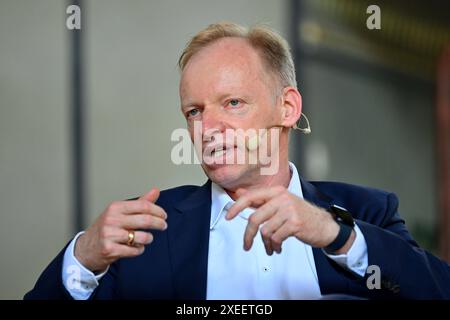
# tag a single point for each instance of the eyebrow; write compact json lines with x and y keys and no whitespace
{"x":221,"y":97}
{"x":188,"y":104}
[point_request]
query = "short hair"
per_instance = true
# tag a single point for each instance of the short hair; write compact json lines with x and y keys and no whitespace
{"x":272,"y":47}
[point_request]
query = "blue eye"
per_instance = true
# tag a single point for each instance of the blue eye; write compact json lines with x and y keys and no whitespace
{"x":234,"y":102}
{"x":192,"y":113}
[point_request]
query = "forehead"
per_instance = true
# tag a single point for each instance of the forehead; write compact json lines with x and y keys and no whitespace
{"x":226,"y":64}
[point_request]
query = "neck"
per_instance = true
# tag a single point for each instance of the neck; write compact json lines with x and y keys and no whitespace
{"x":281,"y":178}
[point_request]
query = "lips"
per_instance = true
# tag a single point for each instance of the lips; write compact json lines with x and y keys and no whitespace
{"x":217,"y":150}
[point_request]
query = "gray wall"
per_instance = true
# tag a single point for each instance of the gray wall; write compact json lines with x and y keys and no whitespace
{"x":34,"y":145}
{"x":132,"y":50}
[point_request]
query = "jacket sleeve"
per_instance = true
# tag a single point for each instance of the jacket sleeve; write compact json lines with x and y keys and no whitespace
{"x":50,"y":285}
{"x":407,"y":271}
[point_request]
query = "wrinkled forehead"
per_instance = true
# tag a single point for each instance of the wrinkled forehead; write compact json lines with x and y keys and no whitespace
{"x":227,"y":64}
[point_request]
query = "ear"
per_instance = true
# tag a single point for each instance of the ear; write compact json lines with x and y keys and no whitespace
{"x":291,"y":107}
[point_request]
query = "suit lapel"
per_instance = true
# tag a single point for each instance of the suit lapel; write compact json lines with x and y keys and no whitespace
{"x":188,"y":243}
{"x":331,"y":279}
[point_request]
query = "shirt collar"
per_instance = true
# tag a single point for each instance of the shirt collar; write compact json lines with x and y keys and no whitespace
{"x":220,"y":199}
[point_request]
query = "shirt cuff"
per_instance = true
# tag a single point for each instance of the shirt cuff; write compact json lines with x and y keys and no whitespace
{"x":356,"y":259}
{"x":79,"y":281}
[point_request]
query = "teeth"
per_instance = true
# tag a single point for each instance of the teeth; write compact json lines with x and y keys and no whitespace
{"x":218,"y":153}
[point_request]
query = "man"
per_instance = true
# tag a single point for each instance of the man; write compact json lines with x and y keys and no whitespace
{"x":244,"y":234}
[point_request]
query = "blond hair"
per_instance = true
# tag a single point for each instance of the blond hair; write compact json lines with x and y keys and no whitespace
{"x":272,"y":47}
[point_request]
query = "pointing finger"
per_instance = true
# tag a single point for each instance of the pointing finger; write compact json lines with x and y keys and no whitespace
{"x":261,"y":215}
{"x":253,"y":198}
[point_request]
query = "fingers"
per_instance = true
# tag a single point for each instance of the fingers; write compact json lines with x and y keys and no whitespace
{"x":138,"y":206}
{"x":142,"y":221}
{"x":253,"y":198}
{"x":271,"y":216}
{"x":267,"y":245}
{"x":106,"y":240}
{"x":112,"y":250}
{"x":256,"y":219}
{"x":114,"y":245}
{"x":284,"y":232}
{"x":274,"y":235}
{"x":269,"y":228}
{"x":140,"y":237}
{"x":151,"y":196}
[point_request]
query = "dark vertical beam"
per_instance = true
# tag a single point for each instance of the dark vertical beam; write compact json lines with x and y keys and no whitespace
{"x":443,"y":151}
{"x":78,"y":130}
{"x":296,"y":15}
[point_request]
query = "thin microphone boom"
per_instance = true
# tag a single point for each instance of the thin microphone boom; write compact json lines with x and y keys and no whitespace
{"x":255,"y":141}
{"x":306,"y":130}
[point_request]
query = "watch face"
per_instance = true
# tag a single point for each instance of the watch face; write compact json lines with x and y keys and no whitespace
{"x":343,"y":215}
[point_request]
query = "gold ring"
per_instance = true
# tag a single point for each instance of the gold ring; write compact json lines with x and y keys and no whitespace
{"x":130,"y":241}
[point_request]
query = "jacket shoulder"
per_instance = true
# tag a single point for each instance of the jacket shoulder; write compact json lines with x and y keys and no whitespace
{"x":178,"y":192}
{"x":174,"y":193}
{"x":365,"y":203}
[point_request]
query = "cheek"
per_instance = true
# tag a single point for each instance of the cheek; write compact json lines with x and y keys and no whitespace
{"x":250,"y":116}
{"x":194,"y":127}
{"x":241,"y":112}
{"x":192,"y":134}
{"x":262,"y":116}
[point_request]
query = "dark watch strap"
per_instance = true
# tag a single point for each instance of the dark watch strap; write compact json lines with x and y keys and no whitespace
{"x":344,"y":233}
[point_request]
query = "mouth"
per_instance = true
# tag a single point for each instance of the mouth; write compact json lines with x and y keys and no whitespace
{"x":219,"y":151}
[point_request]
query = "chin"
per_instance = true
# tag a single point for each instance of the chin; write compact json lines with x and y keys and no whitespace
{"x":228,"y":176}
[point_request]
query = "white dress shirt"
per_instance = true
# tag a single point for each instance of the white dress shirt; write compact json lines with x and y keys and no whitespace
{"x":234,"y":273}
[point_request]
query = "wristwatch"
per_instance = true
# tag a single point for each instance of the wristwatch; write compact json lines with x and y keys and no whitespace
{"x":346,"y":223}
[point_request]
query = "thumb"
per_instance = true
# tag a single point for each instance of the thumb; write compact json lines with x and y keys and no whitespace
{"x":151,"y":196}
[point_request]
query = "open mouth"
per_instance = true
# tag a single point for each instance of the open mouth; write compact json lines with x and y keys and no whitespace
{"x":219,"y":151}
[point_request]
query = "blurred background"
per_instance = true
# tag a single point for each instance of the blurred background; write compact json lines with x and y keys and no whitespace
{"x":86,"y":115}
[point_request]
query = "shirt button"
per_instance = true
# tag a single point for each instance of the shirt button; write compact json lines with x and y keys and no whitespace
{"x":266,"y":269}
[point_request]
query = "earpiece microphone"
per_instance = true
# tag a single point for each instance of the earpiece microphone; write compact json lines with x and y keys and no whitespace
{"x":306,"y":130}
{"x":254,"y":142}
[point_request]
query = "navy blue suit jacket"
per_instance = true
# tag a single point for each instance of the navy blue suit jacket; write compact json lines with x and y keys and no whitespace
{"x":174,"y":265}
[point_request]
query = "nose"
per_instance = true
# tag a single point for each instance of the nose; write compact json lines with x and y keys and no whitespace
{"x":212,"y":124}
